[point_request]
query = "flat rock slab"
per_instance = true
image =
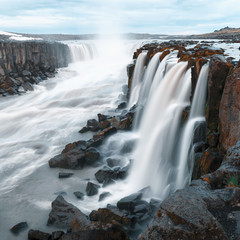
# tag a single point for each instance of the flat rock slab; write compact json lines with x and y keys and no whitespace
{"x":65,"y":175}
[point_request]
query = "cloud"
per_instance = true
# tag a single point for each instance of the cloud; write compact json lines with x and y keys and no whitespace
{"x":153,"y":16}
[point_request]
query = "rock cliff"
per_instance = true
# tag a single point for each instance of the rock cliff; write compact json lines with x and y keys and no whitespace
{"x":25,"y":63}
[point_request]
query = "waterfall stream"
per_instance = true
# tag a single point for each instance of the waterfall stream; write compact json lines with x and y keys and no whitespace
{"x":37,"y":125}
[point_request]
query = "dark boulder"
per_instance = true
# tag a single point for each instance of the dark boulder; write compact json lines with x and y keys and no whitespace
{"x":219,"y":69}
{"x":110,"y":232}
{"x":38,"y":235}
{"x":104,"y":195}
{"x":79,"y":195}
{"x":229,"y":112}
{"x":92,"y":189}
{"x":106,"y":215}
{"x":128,"y":203}
{"x":63,"y":214}
{"x":91,"y":155}
{"x":184,"y":215}
{"x":93,"y":125}
{"x":65,"y":175}
{"x":20,"y":227}
{"x":56,"y":235}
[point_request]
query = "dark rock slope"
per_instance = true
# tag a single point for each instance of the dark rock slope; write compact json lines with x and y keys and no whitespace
{"x":25,"y":63}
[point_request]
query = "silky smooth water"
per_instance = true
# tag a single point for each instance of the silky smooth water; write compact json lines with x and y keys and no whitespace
{"x":36,"y":126}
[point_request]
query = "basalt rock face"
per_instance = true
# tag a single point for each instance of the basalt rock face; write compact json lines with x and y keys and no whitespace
{"x":219,"y":69}
{"x":207,"y":209}
{"x":25,"y":63}
{"x":229,"y":112}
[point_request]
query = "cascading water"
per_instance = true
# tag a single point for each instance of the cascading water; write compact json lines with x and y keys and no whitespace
{"x":158,"y":163}
{"x":137,"y":79}
{"x":197,"y":115}
{"x":153,"y":164}
{"x":82,"y":52}
{"x":148,"y":78}
{"x":37,"y":125}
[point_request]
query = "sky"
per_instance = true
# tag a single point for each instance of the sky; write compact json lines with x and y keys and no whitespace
{"x":118,"y":16}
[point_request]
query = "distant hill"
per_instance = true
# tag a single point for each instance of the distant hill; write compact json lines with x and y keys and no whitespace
{"x":224,"y":33}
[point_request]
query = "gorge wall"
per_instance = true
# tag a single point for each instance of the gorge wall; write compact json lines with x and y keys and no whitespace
{"x":25,"y":63}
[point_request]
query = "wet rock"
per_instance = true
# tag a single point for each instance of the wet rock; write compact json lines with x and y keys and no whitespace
{"x":79,"y":195}
{"x":184,"y":215}
{"x":113,"y":162}
{"x":93,"y":125}
{"x":56,"y":235}
{"x":92,"y":189}
{"x":63,"y":214}
{"x":65,"y":175}
{"x":113,"y":232}
{"x":106,"y":215}
{"x":38,"y":235}
{"x":209,"y":161}
{"x":71,"y":160}
{"x":219,"y":69}
{"x":128,"y":203}
{"x":84,"y":130}
{"x":229,"y":112}
{"x":101,"y":117}
{"x":20,"y":227}
{"x":105,"y":174}
{"x":104,"y":195}
{"x":91,"y":155}
{"x":199,"y":134}
{"x":122,"y":105}
{"x":185,"y":114}
{"x":108,"y":182}
{"x":105,"y":133}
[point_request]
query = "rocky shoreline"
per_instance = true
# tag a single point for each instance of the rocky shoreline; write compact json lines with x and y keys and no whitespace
{"x":208,"y":209}
{"x":23,"y":64}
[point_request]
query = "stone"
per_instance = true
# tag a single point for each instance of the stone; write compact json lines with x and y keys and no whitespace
{"x":92,"y":189}
{"x":106,"y":215}
{"x":91,"y":155}
{"x":113,"y":232}
{"x":127,"y":203}
{"x":219,"y":69}
{"x":229,"y":112}
{"x":183,"y":215}
{"x":20,"y":227}
{"x":65,"y":175}
{"x":104,"y":195}
{"x":111,"y":162}
{"x":93,"y":125}
{"x":84,"y":130}
{"x":105,"y":174}
{"x":63,"y":214}
{"x":38,"y":235}
{"x":56,"y":235}
{"x":79,"y":195}
{"x":72,"y":159}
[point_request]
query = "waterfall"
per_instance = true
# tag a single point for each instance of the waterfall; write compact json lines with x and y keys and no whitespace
{"x":137,"y":79}
{"x":197,"y":115}
{"x":148,"y":78}
{"x":82,"y":52}
{"x":155,"y":164}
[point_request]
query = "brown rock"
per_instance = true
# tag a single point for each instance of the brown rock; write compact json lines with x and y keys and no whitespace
{"x":184,"y":215}
{"x":219,"y":69}
{"x":229,"y":112}
{"x":38,"y":235}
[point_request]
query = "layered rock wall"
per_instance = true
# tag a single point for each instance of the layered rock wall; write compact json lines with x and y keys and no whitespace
{"x":25,"y":63}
